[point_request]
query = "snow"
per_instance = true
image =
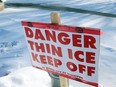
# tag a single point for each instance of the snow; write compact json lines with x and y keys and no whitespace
{"x":4,"y":0}
{"x":10,"y":25}
{"x":107,"y":6}
{"x":26,"y":77}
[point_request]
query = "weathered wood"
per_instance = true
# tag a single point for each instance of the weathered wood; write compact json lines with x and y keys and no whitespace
{"x":1,"y":5}
{"x":55,"y":19}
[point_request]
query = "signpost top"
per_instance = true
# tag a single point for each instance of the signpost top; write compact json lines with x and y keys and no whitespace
{"x":66,"y":28}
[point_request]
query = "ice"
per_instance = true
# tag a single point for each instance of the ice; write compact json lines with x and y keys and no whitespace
{"x":10,"y":23}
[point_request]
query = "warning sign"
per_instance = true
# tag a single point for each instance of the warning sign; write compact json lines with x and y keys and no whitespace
{"x":72,"y":52}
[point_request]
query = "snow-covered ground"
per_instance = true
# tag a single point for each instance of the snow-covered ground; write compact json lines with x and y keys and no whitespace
{"x":93,"y":5}
{"x":26,"y":77}
{"x":11,"y":30}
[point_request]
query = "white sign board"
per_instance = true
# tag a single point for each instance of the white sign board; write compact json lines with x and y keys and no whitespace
{"x":72,"y":52}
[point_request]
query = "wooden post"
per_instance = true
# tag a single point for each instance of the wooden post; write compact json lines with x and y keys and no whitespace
{"x":55,"y":18}
{"x":1,"y":5}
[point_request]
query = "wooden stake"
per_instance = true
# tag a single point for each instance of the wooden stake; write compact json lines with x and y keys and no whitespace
{"x":64,"y":82}
{"x":1,"y":6}
{"x":55,"y":18}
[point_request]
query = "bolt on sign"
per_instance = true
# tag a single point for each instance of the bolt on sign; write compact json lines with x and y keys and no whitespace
{"x":72,"y":52}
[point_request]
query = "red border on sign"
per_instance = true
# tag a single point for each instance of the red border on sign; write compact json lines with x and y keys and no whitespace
{"x":77,"y":79}
{"x":66,"y":28}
